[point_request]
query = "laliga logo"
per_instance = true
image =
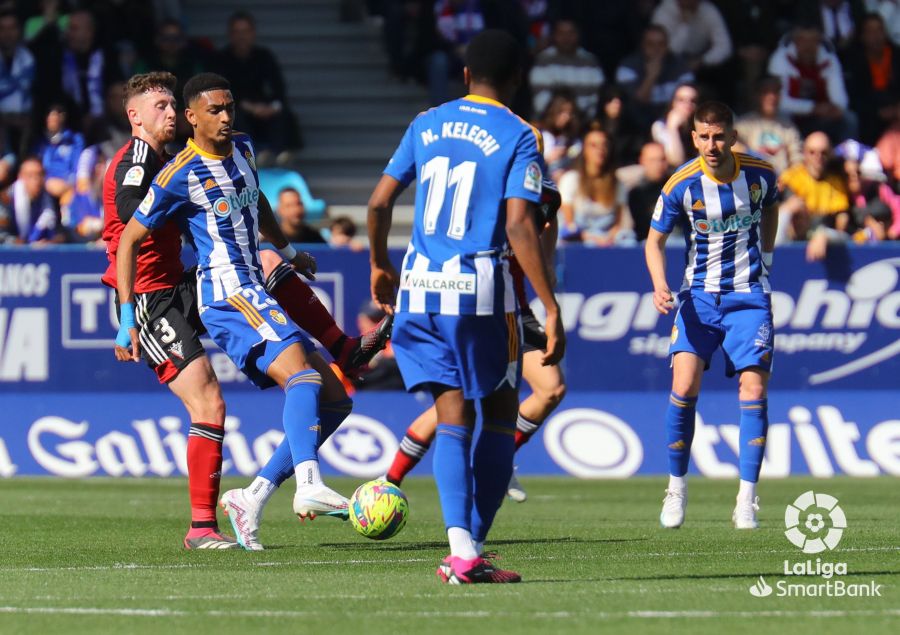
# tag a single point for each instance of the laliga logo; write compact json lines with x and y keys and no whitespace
{"x":362,"y":447}
{"x":593,"y":444}
{"x":810,"y":540}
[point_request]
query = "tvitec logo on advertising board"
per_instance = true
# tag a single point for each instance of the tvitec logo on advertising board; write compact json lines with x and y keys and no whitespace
{"x":815,"y":523}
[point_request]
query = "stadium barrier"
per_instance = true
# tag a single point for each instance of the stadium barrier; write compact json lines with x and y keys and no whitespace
{"x":69,"y":409}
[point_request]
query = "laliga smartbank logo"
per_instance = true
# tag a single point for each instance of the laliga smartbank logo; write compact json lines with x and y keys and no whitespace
{"x":815,"y":523}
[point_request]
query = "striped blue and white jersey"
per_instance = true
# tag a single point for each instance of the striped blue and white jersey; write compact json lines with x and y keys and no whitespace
{"x":469,"y":155}
{"x":214,"y":200}
{"x":721,"y":223}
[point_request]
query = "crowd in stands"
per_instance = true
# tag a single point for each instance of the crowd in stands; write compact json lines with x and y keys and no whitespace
{"x":63,"y":67}
{"x":612,"y":86}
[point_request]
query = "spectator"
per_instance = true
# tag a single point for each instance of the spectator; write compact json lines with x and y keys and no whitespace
{"x":593,"y":200}
{"x":643,"y":197}
{"x":889,"y":10}
{"x":293,"y":218}
{"x":382,"y":373}
{"x":766,"y":133}
{"x":876,"y":207}
{"x":814,"y":194}
{"x":673,"y":131}
{"x":838,"y":21}
{"x":754,"y":27}
{"x":697,"y":32}
{"x":457,"y":22}
{"x":566,"y":65}
{"x":111,"y":132}
{"x":30,"y":213}
{"x":258,"y":88}
{"x":888,"y":149}
{"x":73,"y":68}
{"x":342,"y":234}
{"x":82,"y":216}
{"x":410,"y":36}
{"x":59,"y":149}
{"x":873,"y":71}
{"x":49,"y":16}
{"x":16,"y":81}
{"x":173,"y":52}
{"x":650,"y":76}
{"x":559,"y":126}
{"x":812,"y":84}
{"x":613,"y":118}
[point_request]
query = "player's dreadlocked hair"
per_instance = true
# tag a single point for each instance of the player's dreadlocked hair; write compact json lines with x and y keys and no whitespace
{"x":140,"y":84}
{"x":202,"y":83}
{"x":714,"y":112}
{"x":493,"y":57}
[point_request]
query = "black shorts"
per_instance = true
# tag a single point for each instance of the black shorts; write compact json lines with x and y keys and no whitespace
{"x":169,"y":327}
{"x":533,"y":333}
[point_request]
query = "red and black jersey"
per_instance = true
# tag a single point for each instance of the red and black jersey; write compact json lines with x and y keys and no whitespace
{"x":546,"y":212}
{"x":127,"y":180}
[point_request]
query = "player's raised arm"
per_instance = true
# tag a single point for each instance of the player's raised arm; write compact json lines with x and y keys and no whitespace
{"x":384,"y":278}
{"x":127,"y":347}
{"x":655,"y":253}
{"x":523,"y":238}
{"x":302,"y":261}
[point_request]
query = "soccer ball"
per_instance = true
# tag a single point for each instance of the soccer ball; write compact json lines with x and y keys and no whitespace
{"x":378,"y":510}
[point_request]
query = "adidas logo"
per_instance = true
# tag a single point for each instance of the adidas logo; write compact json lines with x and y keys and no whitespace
{"x":209,"y":184}
{"x":698,"y":204}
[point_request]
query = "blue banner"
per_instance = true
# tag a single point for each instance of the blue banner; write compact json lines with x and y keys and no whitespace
{"x":836,"y":323}
{"x":592,"y":435}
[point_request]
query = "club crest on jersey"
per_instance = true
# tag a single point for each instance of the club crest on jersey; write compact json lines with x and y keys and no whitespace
{"x":533,"y":177}
{"x":225,"y":204}
{"x":674,"y":337}
{"x":658,"y":210}
{"x":147,"y":203}
{"x":755,"y":193}
{"x":277,"y":316}
{"x":249,"y":156}
{"x":134,"y":176}
{"x":726,"y":225}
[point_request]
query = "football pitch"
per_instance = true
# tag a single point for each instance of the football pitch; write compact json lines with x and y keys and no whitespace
{"x":104,"y":556}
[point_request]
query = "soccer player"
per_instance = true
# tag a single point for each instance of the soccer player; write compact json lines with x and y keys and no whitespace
{"x":212,"y":189}
{"x":726,"y":204}
{"x":164,"y":297}
{"x":456,"y":327}
{"x":547,"y":382}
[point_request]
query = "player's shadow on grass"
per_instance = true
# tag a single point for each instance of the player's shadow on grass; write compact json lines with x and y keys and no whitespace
{"x":427,"y":546}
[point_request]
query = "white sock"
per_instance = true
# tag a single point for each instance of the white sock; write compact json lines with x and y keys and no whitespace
{"x":747,"y":491}
{"x":461,"y":543}
{"x":307,"y":473}
{"x":260,"y":490}
{"x":677,"y":483}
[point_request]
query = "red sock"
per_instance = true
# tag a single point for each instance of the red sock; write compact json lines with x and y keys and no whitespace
{"x":521,"y":439}
{"x":204,"y":459}
{"x":304,"y":308}
{"x":411,"y":451}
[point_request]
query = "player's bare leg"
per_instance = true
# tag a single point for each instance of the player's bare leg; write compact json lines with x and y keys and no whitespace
{"x":303,"y":384}
{"x":244,"y":506}
{"x":548,"y":390}
{"x":687,"y":375}
{"x":754,"y":427}
{"x":197,"y":387}
{"x":303,"y":306}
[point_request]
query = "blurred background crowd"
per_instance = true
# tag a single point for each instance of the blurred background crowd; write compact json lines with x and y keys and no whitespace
{"x":612,"y":86}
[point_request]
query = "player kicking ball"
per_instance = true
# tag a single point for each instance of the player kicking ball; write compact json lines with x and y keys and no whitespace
{"x":456,"y":326}
{"x":211,"y":189}
{"x":547,"y":382}
{"x":726,"y":204}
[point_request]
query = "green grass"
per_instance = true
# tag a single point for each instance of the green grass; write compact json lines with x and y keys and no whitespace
{"x":104,"y":556}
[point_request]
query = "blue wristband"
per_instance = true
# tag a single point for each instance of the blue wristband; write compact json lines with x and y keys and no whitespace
{"x":126,"y":321}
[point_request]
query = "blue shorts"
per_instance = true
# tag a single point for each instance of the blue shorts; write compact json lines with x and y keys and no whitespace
{"x":253,"y":330}
{"x":480,"y":354}
{"x":741,"y":323}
